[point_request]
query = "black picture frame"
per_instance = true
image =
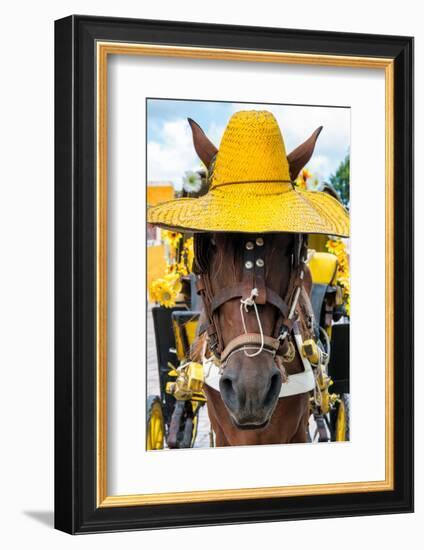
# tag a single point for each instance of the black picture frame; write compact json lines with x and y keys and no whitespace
{"x":76,"y":510}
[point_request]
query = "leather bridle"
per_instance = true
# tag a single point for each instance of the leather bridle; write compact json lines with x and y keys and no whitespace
{"x":253,"y":277}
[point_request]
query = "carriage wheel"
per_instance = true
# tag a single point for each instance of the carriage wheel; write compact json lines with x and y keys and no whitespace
{"x":155,"y":426}
{"x":342,"y":428}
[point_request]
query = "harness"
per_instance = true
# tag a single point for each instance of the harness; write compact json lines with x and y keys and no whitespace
{"x":252,"y":291}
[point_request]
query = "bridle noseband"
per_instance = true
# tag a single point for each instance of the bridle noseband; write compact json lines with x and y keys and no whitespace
{"x":251,"y":291}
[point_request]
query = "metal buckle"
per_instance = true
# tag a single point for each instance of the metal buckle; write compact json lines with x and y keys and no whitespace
{"x":283,"y":334}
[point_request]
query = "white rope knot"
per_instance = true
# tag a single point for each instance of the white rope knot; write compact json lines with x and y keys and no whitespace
{"x":248,"y":302}
{"x":245,"y":304}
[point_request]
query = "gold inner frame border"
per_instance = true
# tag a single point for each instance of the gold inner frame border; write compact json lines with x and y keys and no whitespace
{"x":103,"y":50}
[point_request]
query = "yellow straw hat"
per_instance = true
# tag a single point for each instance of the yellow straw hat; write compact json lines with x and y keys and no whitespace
{"x":251,"y":189}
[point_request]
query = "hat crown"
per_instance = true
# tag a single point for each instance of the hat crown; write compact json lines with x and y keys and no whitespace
{"x":252,"y":153}
{"x":252,"y":150}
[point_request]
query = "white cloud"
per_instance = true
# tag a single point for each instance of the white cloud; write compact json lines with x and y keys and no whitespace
{"x":215,"y":132}
{"x":298,"y":122}
{"x":319,"y":166}
{"x":169,"y":159}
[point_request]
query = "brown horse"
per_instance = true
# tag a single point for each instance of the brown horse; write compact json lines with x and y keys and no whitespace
{"x":247,"y":408}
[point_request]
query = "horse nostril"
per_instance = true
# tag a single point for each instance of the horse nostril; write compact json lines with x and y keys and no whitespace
{"x":274,"y":388}
{"x":227,"y":391}
{"x":226,"y":384}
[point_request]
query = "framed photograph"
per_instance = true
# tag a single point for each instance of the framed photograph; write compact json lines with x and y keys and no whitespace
{"x":234,"y":274}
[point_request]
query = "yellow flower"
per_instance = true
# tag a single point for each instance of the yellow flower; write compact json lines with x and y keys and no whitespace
{"x":172,"y":277}
{"x":171,"y":268}
{"x":189,"y":254}
{"x":332,"y":245}
{"x":338,"y":248}
{"x":300,"y":182}
{"x":302,"y":179}
{"x":306,"y":174}
{"x":182,"y":269}
{"x":166,"y":289}
{"x":344,"y":282}
{"x":347,"y":306}
{"x":185,"y":264}
{"x":172,"y":238}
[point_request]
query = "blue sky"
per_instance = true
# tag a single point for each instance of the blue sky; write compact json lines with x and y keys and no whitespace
{"x":170,"y":149}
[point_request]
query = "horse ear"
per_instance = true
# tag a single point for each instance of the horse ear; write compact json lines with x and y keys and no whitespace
{"x":205,"y":149}
{"x":300,"y":156}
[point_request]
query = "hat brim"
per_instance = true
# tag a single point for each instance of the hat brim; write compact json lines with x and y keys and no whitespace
{"x":293,"y":211}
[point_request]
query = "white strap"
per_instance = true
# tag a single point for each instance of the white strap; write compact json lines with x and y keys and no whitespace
{"x":296,"y":384}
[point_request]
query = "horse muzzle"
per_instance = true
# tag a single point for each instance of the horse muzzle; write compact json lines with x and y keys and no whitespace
{"x":250,"y":392}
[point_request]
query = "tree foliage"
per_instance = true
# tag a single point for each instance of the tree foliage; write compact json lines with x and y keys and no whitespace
{"x":340,"y":181}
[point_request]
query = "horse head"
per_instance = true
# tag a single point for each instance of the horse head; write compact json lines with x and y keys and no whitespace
{"x":244,"y":280}
{"x":252,"y":374}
